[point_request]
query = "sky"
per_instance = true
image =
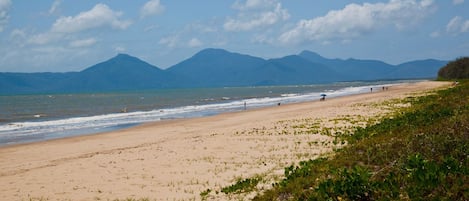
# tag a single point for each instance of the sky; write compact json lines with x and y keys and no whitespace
{"x":66,"y":35}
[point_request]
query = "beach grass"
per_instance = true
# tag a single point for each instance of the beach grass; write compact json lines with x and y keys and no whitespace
{"x":418,"y":153}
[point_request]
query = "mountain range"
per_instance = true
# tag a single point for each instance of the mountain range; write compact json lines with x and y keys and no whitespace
{"x":214,"y":68}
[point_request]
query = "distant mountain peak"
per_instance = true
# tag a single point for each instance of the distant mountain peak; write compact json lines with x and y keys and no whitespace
{"x":212,"y":51}
{"x":215,"y":52}
{"x":123,"y":56}
{"x":123,"y":62}
{"x":312,"y":56}
{"x":311,"y":53}
{"x":220,"y":56}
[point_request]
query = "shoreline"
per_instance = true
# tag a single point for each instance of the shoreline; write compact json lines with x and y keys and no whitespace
{"x":164,"y":121}
{"x":42,"y":130}
{"x":178,"y":159}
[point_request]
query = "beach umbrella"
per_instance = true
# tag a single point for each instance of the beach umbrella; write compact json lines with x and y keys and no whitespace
{"x":323,"y":95}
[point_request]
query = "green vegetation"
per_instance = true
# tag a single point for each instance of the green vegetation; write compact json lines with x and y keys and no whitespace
{"x":242,"y":186}
{"x":421,"y":153}
{"x":457,"y":69}
{"x":204,"y":194}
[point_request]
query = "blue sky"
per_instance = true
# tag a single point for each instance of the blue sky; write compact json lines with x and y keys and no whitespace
{"x":66,"y":35}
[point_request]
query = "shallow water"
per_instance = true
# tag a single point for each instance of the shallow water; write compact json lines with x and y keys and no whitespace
{"x":29,"y":118}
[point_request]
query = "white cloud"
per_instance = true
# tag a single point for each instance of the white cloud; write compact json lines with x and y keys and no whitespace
{"x":180,"y":41}
{"x":200,"y":28}
{"x":119,"y":49}
{"x":454,"y":24}
{"x":192,"y":35}
{"x":262,"y":39}
{"x":435,"y":34}
{"x":17,"y":39}
{"x":18,"y":33}
{"x":457,"y":25}
{"x":152,"y":7}
{"x":150,"y":28}
{"x":457,"y":2}
{"x":54,"y":7}
{"x":426,"y":3}
{"x":69,"y":29}
{"x":194,"y":42}
{"x":99,"y":16}
{"x":83,"y":42}
{"x":44,"y":38}
{"x":247,"y":20}
{"x":465,"y":26}
{"x":170,"y":41}
{"x":4,"y":9}
{"x":356,"y":20}
{"x":254,"y":4}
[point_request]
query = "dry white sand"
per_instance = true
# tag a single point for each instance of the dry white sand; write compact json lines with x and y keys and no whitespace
{"x":179,"y":159}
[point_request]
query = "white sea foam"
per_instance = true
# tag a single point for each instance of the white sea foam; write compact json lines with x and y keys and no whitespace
{"x":288,"y":95}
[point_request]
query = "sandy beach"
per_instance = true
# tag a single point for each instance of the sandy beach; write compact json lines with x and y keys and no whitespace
{"x":179,"y":159}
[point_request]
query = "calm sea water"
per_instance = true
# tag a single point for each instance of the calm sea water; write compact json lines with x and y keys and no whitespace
{"x":29,"y":118}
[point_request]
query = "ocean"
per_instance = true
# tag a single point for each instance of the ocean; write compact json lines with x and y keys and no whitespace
{"x":31,"y":118}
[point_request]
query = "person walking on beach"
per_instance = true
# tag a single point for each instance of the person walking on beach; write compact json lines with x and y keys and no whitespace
{"x":371,"y":89}
{"x":323,"y":97}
